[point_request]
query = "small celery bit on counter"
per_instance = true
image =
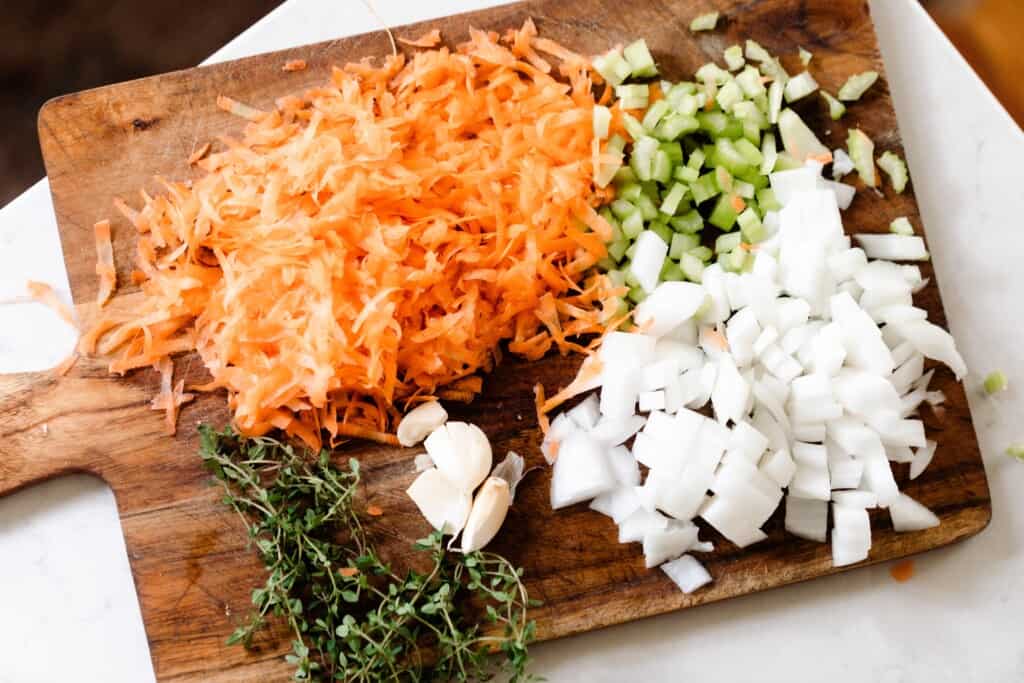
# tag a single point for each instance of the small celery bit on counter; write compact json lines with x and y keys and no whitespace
{"x":836,"y":109}
{"x":704,"y":22}
{"x":995,"y":382}
{"x":805,"y":56}
{"x":896,"y":169}
{"x":800,"y":86}
{"x":857,"y":85}
{"x":862,"y":152}
{"x":901,"y":226}
{"x":641,"y":63}
{"x":1016,"y":450}
{"x":613,"y":67}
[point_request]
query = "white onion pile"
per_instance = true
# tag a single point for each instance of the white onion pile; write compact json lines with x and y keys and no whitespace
{"x":813,"y":363}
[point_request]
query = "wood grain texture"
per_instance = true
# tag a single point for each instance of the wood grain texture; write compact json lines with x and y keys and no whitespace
{"x":189,"y":558}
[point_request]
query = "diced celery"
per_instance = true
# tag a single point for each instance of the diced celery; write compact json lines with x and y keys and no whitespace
{"x":775,"y":93}
{"x":704,"y":22}
{"x":901,"y":226}
{"x":617,"y":277}
{"x":633,"y":127}
{"x":1016,"y":450}
{"x":733,"y":56}
{"x":729,"y":156}
{"x":862,"y":152}
{"x":696,"y":160}
{"x":672,"y":199}
{"x":661,"y":169}
{"x":761,"y":101}
{"x":602,"y":119}
{"x":723,"y":216}
{"x":750,"y":154}
{"x":671,"y":272}
{"x":773,"y":69}
{"x":674,"y":150}
{"x":682,"y":242}
{"x":712,"y":73}
{"x":896,"y":169}
{"x":800,"y":86}
{"x":629,"y":255}
{"x":633,"y":225}
{"x":786,"y":162}
{"x":756,"y":53}
{"x":624,"y":176}
{"x":750,"y":81}
{"x":640,"y":60}
{"x":752,"y":132}
{"x":702,"y":252}
{"x":637,"y":294}
{"x":735,"y":261}
{"x":767,"y":201}
{"x":726,"y":242}
{"x":606,"y":264}
{"x":995,"y":382}
{"x":857,"y":85}
{"x":805,"y":56}
{"x":675,"y":126}
{"x":769,"y":153}
{"x":754,"y":178}
{"x":681,"y":96}
{"x":613,"y":67}
{"x":689,"y":223}
{"x":648,"y":209}
{"x":747,"y":112}
{"x":836,"y":109}
{"x":662,"y":231}
{"x":728,"y":95}
{"x":686,"y":105}
{"x":743,"y":188}
{"x":692,"y":267}
{"x":633,"y":90}
{"x":642,"y":159}
{"x":630,"y":192}
{"x":653,"y":192}
{"x":685,"y":174}
{"x":751,"y":226}
{"x":655,"y":113}
{"x":618,"y":249}
{"x":622,"y":207}
{"x":704,"y":189}
{"x":723,"y":179}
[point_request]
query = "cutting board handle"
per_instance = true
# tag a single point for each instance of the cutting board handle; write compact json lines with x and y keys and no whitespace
{"x":47,"y":422}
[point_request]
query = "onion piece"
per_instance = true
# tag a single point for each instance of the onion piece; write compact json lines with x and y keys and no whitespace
{"x":687,"y":573}
{"x":580,"y":472}
{"x":807,"y":518}
{"x":667,"y":544}
{"x":893,"y":247}
{"x":909,"y":515}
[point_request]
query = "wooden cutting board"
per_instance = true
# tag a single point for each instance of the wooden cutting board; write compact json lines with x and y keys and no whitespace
{"x":189,"y":557}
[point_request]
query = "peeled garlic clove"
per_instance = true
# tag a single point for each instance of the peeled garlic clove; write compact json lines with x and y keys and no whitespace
{"x":420,"y":421}
{"x":488,"y":514}
{"x":461,"y":452}
{"x":442,"y":503}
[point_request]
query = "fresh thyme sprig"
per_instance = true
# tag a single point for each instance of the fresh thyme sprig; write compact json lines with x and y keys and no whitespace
{"x":352,"y":616}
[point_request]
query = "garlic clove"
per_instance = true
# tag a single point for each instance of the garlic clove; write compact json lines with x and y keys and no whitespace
{"x":421,"y":421}
{"x":487,"y":515}
{"x":461,"y":452}
{"x":443,"y":504}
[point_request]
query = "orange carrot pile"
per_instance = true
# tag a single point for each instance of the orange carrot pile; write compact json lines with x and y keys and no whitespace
{"x":376,"y":239}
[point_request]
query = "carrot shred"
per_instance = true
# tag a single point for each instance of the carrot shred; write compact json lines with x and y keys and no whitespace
{"x":375,"y":240}
{"x":294,"y":65}
{"x":428,"y":39}
{"x":169,"y":400}
{"x":542,"y":418}
{"x":45,"y":294}
{"x":104,"y":262}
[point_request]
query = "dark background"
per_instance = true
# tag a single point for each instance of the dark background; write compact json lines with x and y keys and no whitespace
{"x":60,"y":46}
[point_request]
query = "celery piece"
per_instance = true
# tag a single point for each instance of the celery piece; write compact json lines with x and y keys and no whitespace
{"x":618,"y":249}
{"x":685,"y":174}
{"x":696,"y":160}
{"x":672,"y":199}
{"x":633,"y":225}
{"x":686,"y":105}
{"x":612,"y":67}
{"x":805,"y":56}
{"x":630,"y":192}
{"x":689,"y":223}
{"x":681,"y":243}
{"x":743,"y":188}
{"x":862,"y":152}
{"x":857,"y":85}
{"x":702,"y":252}
{"x":704,"y":189}
{"x":692,"y":267}
{"x":761,"y":101}
{"x":674,"y":126}
{"x":651,"y":189}
{"x":617,"y":277}
{"x":750,"y":81}
{"x":704,"y":22}
{"x":1015,"y":450}
{"x":750,"y":153}
{"x":633,"y":127}
{"x":712,"y":73}
{"x":769,"y":153}
{"x":624,"y":176}
{"x":896,"y":169}
{"x":754,"y":177}
{"x":723,"y":216}
{"x":750,"y":226}
{"x":728,"y":95}
{"x":602,"y":119}
{"x":661,"y":169}
{"x":735,"y":261}
{"x":775,"y":94}
{"x":606,"y":264}
{"x":629,"y":255}
{"x":774,"y":70}
{"x":836,"y":109}
{"x":747,"y":112}
{"x":756,"y":53}
{"x":767,"y":201}
{"x":637,"y":294}
{"x":674,"y":150}
{"x":632,"y":90}
{"x":640,"y":60}
{"x":995,"y":382}
{"x":799,"y":140}
{"x":622,"y":208}
{"x":654,"y":114}
{"x":786,"y":162}
{"x":637,"y":103}
{"x":647,"y":207}
{"x":730,"y":157}
{"x":662,"y":231}
{"x":901,"y":226}
{"x":642,"y":159}
{"x":733,"y":56}
{"x":723,"y":179}
{"x":713,"y":122}
{"x":671,"y":272}
{"x":752,"y":132}
{"x":800,"y":86}
{"x":726,"y":242}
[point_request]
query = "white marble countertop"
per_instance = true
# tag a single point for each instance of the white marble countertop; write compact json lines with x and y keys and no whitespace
{"x":68,"y":609}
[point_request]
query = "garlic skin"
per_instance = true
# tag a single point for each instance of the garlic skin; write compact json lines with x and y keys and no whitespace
{"x":420,"y":422}
{"x":487,"y":515}
{"x":443,"y":504}
{"x":462,"y":453}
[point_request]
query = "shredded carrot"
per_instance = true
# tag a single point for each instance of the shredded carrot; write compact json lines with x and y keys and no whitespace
{"x":456,"y":395}
{"x":104,"y":262}
{"x":542,"y":418}
{"x":294,"y":65}
{"x":169,"y":400}
{"x":377,"y":239}
{"x":45,"y":294}
{"x":199,"y":154}
{"x":66,"y":365}
{"x":428,"y":39}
